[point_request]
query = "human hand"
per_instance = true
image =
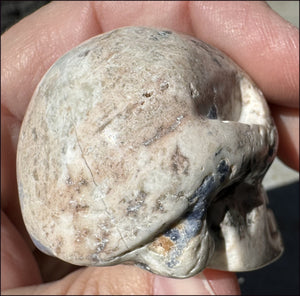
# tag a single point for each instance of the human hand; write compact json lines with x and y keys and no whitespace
{"x":255,"y":37}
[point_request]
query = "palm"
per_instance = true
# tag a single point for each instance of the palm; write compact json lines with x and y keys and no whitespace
{"x":30,"y":47}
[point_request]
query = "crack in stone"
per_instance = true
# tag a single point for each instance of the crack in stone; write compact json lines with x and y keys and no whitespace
{"x":104,"y":203}
{"x":87,"y":165}
{"x":125,"y":111}
{"x":161,"y":132}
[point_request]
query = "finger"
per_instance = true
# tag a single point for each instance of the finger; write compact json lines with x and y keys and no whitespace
{"x":125,"y":280}
{"x":259,"y":40}
{"x":30,"y":47}
{"x":28,"y":50}
{"x":44,"y":51}
{"x":169,"y":14}
{"x":18,"y":266}
{"x":9,"y":195}
{"x":287,"y":122}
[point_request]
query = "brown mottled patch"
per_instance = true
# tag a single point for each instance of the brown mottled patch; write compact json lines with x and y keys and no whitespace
{"x":136,"y":204}
{"x":159,"y":205}
{"x":162,"y":245}
{"x":80,"y":207}
{"x":81,"y":234}
{"x":34,"y":134}
{"x":58,"y":250}
{"x":163,"y":131}
{"x":59,"y":245}
{"x":35,"y":175}
{"x":147,"y":94}
{"x":82,"y":182}
{"x":180,"y":164}
{"x":75,"y":183}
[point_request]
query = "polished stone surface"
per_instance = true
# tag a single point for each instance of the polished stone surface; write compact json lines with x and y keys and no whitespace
{"x":148,"y":146}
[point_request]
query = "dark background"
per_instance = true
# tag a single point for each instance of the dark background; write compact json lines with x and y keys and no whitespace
{"x":279,"y":278}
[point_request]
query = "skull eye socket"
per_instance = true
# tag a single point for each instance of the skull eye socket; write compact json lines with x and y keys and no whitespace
{"x":219,"y":97}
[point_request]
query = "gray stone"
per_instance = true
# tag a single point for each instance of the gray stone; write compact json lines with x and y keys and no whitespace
{"x":146,"y":146}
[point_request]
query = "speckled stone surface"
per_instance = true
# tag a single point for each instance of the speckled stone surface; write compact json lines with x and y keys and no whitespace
{"x":145,"y":146}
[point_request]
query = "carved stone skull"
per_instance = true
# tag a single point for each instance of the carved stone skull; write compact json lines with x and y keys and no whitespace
{"x":147,"y":146}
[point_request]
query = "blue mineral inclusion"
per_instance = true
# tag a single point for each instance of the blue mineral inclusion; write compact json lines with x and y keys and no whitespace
{"x":212,"y":113}
{"x":223,"y":170}
{"x":192,"y":221}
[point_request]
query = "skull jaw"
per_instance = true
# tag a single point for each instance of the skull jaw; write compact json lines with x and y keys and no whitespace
{"x":245,"y":242}
{"x":249,"y":242}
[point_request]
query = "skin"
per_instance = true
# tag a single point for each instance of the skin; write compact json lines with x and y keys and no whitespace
{"x":259,"y":40}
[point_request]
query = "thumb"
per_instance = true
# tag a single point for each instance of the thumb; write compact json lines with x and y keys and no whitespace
{"x":130,"y":280}
{"x":21,"y":276}
{"x":18,"y":265}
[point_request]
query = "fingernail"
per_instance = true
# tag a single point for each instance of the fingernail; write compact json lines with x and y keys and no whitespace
{"x":222,"y":282}
{"x":197,"y":285}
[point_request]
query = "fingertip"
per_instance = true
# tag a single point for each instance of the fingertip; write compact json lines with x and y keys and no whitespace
{"x":222,"y":282}
{"x":264,"y":44}
{"x":131,"y":280}
{"x":287,"y":123}
{"x":208,"y":282}
{"x":164,"y":14}
{"x":18,"y":265}
{"x":32,"y":45}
